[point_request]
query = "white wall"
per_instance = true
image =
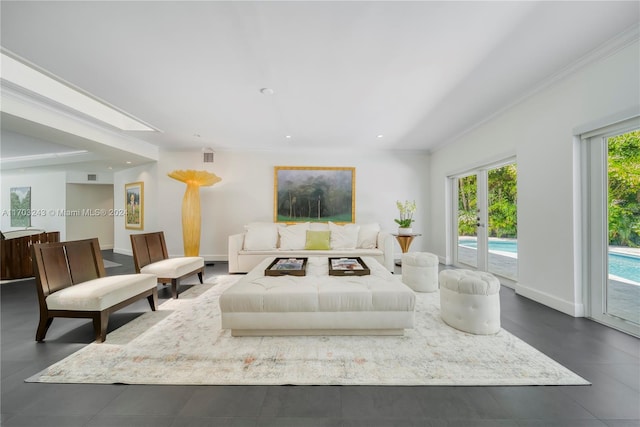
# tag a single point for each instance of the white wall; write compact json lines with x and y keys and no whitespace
{"x":245,"y":193}
{"x":152,"y":209}
{"x":90,"y":215}
{"x":47,"y":198}
{"x":539,"y":132}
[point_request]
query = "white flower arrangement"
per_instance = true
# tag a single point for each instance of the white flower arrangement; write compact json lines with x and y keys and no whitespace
{"x":407,"y":209}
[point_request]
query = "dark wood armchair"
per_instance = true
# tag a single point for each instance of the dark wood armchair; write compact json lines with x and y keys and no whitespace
{"x":72,"y":282}
{"x":150,"y":256}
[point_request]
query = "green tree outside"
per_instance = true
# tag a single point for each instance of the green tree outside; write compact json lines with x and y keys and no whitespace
{"x":624,"y":189}
{"x":503,"y":203}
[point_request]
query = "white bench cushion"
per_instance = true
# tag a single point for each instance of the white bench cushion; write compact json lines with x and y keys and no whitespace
{"x":318,"y":292}
{"x":100,"y":294}
{"x":174,"y":267}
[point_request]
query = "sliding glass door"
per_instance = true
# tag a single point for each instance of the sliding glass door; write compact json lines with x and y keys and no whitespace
{"x":485,"y":219}
{"x":502,"y":221}
{"x":613,"y":232}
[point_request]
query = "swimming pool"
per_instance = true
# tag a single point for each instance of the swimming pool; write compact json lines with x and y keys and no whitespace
{"x":625,"y":266}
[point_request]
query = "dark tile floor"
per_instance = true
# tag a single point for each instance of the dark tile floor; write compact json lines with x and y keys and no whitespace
{"x":607,"y":358}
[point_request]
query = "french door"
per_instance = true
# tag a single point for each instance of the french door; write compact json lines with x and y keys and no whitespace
{"x":612,"y":232}
{"x":485,"y":219}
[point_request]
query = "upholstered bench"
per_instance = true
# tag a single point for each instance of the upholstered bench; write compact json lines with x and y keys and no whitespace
{"x":318,"y":304}
{"x":72,"y":283}
{"x":470,"y":301}
{"x":420,"y":271}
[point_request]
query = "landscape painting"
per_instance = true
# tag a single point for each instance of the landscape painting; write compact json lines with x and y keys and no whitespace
{"x":134,"y":202}
{"x":20,"y":206}
{"x":314,"y":194}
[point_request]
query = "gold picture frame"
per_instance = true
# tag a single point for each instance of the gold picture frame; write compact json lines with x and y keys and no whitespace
{"x":314,"y":194}
{"x":134,"y":205}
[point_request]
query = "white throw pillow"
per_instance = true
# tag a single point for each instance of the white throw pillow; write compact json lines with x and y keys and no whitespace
{"x":260,"y":236}
{"x":293,"y":237}
{"x":368,"y":236}
{"x":318,"y":226}
{"x":344,"y":236}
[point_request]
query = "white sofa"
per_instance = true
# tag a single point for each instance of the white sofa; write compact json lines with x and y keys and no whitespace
{"x":264,"y":240}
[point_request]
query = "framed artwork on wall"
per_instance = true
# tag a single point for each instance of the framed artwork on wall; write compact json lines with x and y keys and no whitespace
{"x":314,"y":194}
{"x":20,"y":206}
{"x":134,"y":202}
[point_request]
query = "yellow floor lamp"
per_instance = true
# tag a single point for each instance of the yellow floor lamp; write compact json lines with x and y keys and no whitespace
{"x":191,"y":206}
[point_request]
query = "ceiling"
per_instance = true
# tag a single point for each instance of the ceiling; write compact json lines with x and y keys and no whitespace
{"x":358,"y":75}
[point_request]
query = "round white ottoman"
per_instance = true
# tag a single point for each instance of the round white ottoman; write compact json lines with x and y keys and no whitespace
{"x":470,"y":301}
{"x":420,"y":271}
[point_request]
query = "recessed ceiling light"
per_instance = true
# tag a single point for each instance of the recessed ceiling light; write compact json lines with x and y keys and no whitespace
{"x":266,"y":91}
{"x":380,"y":136}
{"x":128,"y":162}
{"x":288,"y":136}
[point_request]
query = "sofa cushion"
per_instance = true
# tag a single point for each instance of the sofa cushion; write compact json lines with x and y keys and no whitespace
{"x":344,"y":236}
{"x":318,"y":240}
{"x":293,"y":237}
{"x":102,"y":293}
{"x":318,"y":226}
{"x":368,"y":236}
{"x":261,"y":236}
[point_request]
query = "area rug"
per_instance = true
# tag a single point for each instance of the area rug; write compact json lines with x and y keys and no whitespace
{"x":110,"y":264}
{"x":182,"y":343}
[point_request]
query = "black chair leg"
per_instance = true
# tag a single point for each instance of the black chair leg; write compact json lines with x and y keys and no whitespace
{"x":174,"y":288}
{"x":43,"y":327}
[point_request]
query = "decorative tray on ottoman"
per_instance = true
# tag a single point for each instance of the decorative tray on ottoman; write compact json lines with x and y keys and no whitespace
{"x":287,"y":267}
{"x":348,"y":267}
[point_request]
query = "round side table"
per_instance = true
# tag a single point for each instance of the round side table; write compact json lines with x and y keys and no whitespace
{"x":405,"y":242}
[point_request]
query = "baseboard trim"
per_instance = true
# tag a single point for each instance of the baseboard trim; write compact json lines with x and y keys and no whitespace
{"x":564,"y":306}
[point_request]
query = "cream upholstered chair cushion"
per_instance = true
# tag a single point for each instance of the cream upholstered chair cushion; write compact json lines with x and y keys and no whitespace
{"x":173,"y":267}
{"x":100,"y":294}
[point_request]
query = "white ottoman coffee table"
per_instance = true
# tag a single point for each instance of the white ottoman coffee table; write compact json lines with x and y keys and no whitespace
{"x":470,"y":301}
{"x":318,"y":304}
{"x":420,"y":271}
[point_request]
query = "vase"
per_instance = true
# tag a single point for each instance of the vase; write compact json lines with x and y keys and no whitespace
{"x":405,"y":230}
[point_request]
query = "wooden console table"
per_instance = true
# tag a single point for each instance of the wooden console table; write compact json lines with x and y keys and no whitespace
{"x":16,"y":254}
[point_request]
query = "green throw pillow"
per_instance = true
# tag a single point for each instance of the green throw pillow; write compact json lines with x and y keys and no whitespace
{"x":318,"y":240}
